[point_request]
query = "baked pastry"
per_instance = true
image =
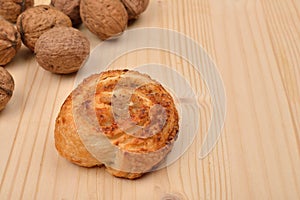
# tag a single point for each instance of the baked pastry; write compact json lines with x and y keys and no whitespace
{"x":121,"y":119}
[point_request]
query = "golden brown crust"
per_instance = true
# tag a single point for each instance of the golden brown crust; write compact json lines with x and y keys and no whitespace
{"x":67,"y":141}
{"x":121,"y":174}
{"x":151,"y":149}
{"x":143,"y":98}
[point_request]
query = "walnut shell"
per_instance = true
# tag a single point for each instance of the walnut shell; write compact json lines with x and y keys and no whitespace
{"x":10,"y":42}
{"x":37,"y":20}
{"x":62,"y":50}
{"x":135,"y":7}
{"x":70,"y":8}
{"x":6,"y":87}
{"x":11,"y":9}
{"x":104,"y":18}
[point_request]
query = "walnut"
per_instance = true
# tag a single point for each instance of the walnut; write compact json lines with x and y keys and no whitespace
{"x":6,"y":87}
{"x":62,"y":50}
{"x":11,"y":9}
{"x":70,"y":8}
{"x":104,"y":18}
{"x":135,"y":7}
{"x":10,"y":42}
{"x":37,"y":20}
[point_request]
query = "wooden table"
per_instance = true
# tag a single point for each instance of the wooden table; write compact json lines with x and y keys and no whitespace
{"x":256,"y":48}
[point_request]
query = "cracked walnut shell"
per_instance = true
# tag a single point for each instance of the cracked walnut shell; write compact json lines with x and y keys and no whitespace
{"x":11,"y":9}
{"x":37,"y":20}
{"x":10,"y":42}
{"x":62,"y":50}
{"x":6,"y":87}
{"x":104,"y":18}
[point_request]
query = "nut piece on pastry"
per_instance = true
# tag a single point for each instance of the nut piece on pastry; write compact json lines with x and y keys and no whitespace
{"x":121,"y":119}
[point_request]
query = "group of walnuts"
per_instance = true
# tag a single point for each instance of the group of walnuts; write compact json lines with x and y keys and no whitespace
{"x":47,"y":30}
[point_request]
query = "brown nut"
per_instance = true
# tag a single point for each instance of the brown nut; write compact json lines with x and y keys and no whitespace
{"x":62,"y":50}
{"x":104,"y":18}
{"x":37,"y":20}
{"x":6,"y":87}
{"x":11,"y":9}
{"x":70,"y":8}
{"x":135,"y":7}
{"x":10,"y":42}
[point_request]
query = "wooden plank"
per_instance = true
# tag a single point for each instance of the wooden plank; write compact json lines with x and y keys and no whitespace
{"x":255,"y":45}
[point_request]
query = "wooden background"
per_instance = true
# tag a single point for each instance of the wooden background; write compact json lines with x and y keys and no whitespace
{"x":256,"y":46}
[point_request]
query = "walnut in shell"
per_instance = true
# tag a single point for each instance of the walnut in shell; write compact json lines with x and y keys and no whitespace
{"x":135,"y":7}
{"x":10,"y":42}
{"x":70,"y":8}
{"x":62,"y":50}
{"x":90,"y":129}
{"x":6,"y":87}
{"x":11,"y":9}
{"x":104,"y":18}
{"x":37,"y":20}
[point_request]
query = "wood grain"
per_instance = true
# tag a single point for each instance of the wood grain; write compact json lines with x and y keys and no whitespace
{"x":256,"y":47}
